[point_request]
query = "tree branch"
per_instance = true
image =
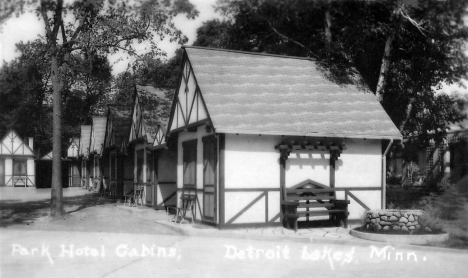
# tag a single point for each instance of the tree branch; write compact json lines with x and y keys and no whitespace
{"x":288,"y":38}
{"x":57,"y":18}
{"x":64,"y":36}
{"x":46,"y":19}
{"x":77,"y":32}
{"x":418,"y":25}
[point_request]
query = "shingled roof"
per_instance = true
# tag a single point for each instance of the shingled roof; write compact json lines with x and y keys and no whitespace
{"x":85,"y":140}
{"x":120,"y":117}
{"x":152,"y":102}
{"x":269,"y":94}
{"x":99,"y":131}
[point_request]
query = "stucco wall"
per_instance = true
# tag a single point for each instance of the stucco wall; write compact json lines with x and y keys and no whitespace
{"x":253,"y":162}
{"x":360,"y":165}
{"x":31,"y":171}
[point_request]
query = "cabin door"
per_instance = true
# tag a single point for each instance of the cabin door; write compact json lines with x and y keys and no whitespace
{"x":149,"y":178}
{"x":209,"y":178}
{"x":74,"y":174}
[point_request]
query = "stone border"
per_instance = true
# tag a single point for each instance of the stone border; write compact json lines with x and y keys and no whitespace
{"x":403,"y":239}
{"x":404,"y":220}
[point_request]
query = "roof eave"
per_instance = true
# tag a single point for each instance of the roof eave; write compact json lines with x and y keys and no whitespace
{"x":315,"y":134}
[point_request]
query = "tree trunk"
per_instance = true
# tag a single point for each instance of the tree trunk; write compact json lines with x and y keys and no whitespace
{"x":56,"y":209}
{"x":384,"y":69}
{"x":407,"y":114}
{"x":328,"y":34}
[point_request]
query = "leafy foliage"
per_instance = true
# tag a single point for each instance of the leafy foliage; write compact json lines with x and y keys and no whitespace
{"x":426,"y":38}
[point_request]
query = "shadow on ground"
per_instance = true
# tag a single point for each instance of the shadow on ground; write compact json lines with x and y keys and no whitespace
{"x":13,"y":212}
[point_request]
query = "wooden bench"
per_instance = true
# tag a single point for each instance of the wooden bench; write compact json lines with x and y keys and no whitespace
{"x":308,"y":199}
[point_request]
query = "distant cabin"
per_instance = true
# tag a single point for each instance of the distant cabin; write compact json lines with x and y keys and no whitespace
{"x":118,"y":169}
{"x":17,"y":167}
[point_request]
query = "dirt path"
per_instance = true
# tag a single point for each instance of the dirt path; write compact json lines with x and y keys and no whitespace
{"x":87,"y":212}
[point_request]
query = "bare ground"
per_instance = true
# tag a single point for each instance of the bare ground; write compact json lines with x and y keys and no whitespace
{"x":88,"y":212}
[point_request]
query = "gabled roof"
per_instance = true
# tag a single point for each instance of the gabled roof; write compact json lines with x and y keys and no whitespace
{"x":119,"y":120}
{"x":12,"y":144}
{"x":150,"y":101}
{"x":269,"y":94}
{"x":73,"y":148}
{"x":85,"y":140}
{"x":48,"y":156}
{"x":98,"y":132}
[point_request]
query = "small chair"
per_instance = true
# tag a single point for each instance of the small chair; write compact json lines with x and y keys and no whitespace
{"x":129,"y":196}
{"x":138,"y":197}
{"x":188,"y":199}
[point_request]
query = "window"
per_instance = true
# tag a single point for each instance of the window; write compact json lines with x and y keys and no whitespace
{"x":19,"y":168}
{"x":190,"y":163}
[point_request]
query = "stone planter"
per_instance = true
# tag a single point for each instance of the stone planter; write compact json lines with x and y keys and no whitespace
{"x":387,"y":220}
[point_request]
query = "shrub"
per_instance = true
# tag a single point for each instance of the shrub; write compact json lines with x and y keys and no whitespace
{"x":430,"y":218}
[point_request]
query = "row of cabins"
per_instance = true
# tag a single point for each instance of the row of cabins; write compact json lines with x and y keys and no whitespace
{"x":242,"y":127}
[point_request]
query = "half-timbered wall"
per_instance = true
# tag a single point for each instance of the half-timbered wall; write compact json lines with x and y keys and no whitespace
{"x":137,"y":129}
{"x":252,"y":179}
{"x":252,"y":176}
{"x":72,"y":150}
{"x":189,"y":105}
{"x":17,"y":164}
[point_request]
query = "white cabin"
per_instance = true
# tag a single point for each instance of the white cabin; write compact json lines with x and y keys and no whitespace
{"x":17,"y":167}
{"x":249,"y":124}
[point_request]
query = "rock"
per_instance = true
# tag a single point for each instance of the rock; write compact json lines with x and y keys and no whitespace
{"x":377,"y":227}
{"x":393,"y":218}
{"x":418,"y":227}
{"x":411,"y":227}
{"x":373,"y":220}
{"x":397,"y":214}
{"x":383,"y":218}
{"x":428,"y":229}
{"x":404,"y":228}
{"x":389,"y":213}
{"x":381,"y":213}
{"x":396,"y":227}
{"x":375,"y":214}
{"x":414,"y":223}
{"x":386,"y":228}
{"x":383,"y":223}
{"x":411,"y":218}
{"x":367,"y":220}
{"x":403,"y":220}
{"x":367,"y":226}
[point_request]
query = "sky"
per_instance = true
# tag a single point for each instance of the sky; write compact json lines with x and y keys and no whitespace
{"x":28,"y":27}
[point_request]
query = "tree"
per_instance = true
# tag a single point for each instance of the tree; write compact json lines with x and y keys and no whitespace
{"x":26,"y":95}
{"x":96,"y":27}
{"x":403,"y":50}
